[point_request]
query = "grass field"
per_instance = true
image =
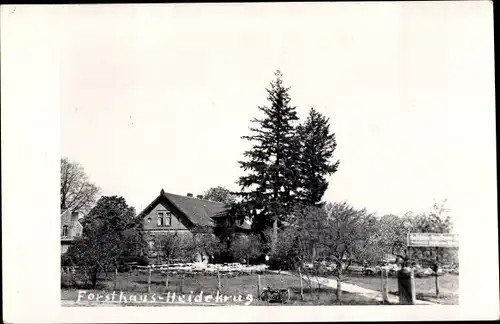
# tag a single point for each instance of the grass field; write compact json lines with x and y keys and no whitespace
{"x":426,"y":289}
{"x":136,"y":283}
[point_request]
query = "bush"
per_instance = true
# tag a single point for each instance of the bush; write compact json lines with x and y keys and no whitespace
{"x":66,"y":260}
{"x":73,"y":279}
{"x":67,"y":280}
{"x":246,"y":247}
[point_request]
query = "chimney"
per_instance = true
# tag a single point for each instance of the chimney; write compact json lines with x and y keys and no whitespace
{"x":189,"y":194}
{"x":199,"y":196}
{"x":73,"y":220}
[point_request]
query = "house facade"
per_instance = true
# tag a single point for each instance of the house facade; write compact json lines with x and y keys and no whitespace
{"x":71,"y":228}
{"x":182,"y":214}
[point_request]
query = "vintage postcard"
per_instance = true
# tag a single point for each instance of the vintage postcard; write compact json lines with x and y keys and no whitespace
{"x":254,"y":162}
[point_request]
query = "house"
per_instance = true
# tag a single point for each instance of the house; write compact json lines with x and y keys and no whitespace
{"x":71,"y":228}
{"x":181,"y":214}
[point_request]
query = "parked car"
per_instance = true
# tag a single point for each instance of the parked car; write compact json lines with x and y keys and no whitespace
{"x":371,"y":271}
{"x":308,"y":265}
{"x":377,"y":270}
{"x":423,"y":272}
{"x":446,"y":268}
{"x":356,"y":268}
{"x":450,"y":269}
{"x":391,"y":269}
{"x":331,"y":267}
{"x":440,"y":272}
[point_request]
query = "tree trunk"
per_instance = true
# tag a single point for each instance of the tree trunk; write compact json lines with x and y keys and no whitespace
{"x":218,"y":281}
{"x":149,"y":280}
{"x":437,"y":285}
{"x":95,"y":275}
{"x":258,"y":286}
{"x":319,"y":286}
{"x":166,"y":281}
{"x":413,"y":287}
{"x":309,"y":283}
{"x":385,"y":288}
{"x":116,"y":276}
{"x":275,"y":234}
{"x":301,"y":285}
{"x":339,"y":288}
{"x":436,"y":273}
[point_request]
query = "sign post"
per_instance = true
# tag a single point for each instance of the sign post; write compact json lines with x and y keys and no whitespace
{"x":429,"y":240}
{"x":432,"y":240}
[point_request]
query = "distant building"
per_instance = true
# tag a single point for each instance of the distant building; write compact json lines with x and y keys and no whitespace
{"x":71,"y":228}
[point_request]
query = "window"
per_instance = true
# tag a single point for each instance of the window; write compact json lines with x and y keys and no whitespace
{"x":164,"y":218}
{"x":65,"y":230}
{"x":168,"y":218}
{"x":149,"y":219}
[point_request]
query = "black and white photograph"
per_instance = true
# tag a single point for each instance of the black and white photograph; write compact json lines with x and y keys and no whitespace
{"x":266,"y":155}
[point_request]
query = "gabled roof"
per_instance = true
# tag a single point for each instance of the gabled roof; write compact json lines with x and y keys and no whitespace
{"x":77,"y":227}
{"x":67,"y":213}
{"x":198,"y":211}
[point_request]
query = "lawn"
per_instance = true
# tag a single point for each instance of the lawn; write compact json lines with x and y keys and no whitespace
{"x":425,"y":287}
{"x":135,"y":283}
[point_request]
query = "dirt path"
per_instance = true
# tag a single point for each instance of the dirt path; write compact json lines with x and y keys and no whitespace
{"x":347,"y":287}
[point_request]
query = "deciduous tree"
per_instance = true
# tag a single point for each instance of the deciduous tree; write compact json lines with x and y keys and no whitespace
{"x":346,"y":232}
{"x":437,"y":221}
{"x":245,"y":247}
{"x":168,"y":246}
{"x":77,"y":192}
{"x":204,"y":242}
{"x":111,"y":235}
{"x":220,"y":194}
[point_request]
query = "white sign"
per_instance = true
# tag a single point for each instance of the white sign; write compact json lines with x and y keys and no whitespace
{"x":432,"y":240}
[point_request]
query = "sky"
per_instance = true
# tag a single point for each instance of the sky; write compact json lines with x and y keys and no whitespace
{"x":158,"y":96}
{"x":148,"y":97}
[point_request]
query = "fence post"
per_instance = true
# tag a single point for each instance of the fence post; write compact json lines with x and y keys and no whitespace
{"x":385,"y":290}
{"x":127,"y":277}
{"x":149,"y":280}
{"x":166,"y":281}
{"x":116,"y":275}
{"x":301,"y":285}
{"x":412,"y":285}
{"x":319,"y":286}
{"x":437,"y":285}
{"x":218,"y":280}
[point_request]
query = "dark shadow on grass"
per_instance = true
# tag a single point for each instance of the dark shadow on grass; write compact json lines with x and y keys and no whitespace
{"x":153,"y":282}
{"x":307,"y":290}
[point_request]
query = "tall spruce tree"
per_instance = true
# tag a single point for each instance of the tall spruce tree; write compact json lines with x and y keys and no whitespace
{"x":268,"y":190}
{"x":317,"y":146}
